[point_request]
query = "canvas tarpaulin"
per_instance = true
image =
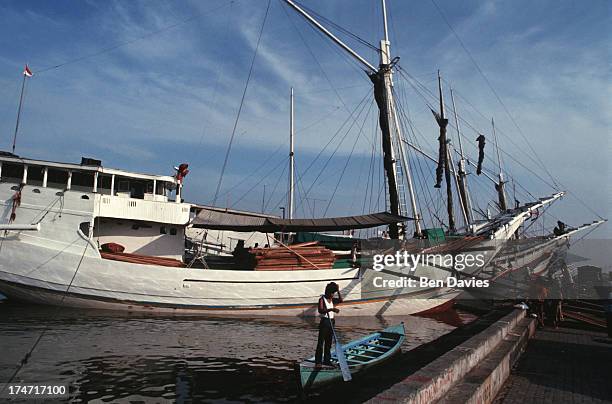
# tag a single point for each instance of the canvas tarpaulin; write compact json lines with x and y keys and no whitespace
{"x":215,"y":220}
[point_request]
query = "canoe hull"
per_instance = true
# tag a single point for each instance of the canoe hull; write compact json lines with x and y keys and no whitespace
{"x":311,"y":376}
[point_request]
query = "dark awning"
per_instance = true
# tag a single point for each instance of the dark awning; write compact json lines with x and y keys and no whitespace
{"x":215,"y":220}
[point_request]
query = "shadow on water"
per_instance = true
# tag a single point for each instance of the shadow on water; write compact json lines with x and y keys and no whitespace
{"x":117,"y":356}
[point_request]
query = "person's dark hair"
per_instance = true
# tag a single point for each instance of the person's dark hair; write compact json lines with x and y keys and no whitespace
{"x":331,"y":288}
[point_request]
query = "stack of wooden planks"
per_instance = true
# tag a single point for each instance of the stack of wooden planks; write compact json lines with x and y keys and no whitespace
{"x":310,"y":255}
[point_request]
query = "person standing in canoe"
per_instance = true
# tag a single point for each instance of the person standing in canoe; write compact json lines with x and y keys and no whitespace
{"x":327,"y":311}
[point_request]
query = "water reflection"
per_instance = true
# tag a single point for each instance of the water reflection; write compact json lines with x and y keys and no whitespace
{"x":108,"y":357}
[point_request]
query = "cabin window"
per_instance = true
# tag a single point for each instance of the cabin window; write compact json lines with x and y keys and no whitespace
{"x":104,"y":184}
{"x":12,"y":172}
{"x":173,"y":231}
{"x":35,"y":176}
{"x":137,"y":189}
{"x":57,"y":178}
{"x":133,"y":187}
{"x":124,"y":186}
{"x":161,"y":188}
{"x":162,"y":230}
{"x":82,"y":181}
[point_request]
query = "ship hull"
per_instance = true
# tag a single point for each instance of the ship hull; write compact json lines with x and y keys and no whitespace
{"x":48,"y":276}
{"x":405,"y":305}
{"x":61,"y":265}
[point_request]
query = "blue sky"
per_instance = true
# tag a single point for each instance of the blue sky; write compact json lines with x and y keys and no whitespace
{"x":171,"y":91}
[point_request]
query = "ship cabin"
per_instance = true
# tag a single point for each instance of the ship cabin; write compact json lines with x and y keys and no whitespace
{"x":124,"y":213}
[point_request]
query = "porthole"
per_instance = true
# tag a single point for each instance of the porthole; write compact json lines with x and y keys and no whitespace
{"x":36,"y":191}
{"x":162,"y":230}
{"x":84,"y":197}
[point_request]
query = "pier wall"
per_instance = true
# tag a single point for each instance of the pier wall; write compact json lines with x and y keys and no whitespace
{"x":471,"y":372}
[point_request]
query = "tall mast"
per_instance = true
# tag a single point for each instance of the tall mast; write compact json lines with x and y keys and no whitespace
{"x":500,"y":187}
{"x":290,"y":201}
{"x":444,"y":155}
{"x":383,"y":84}
{"x":385,"y":68}
{"x":464,"y":192}
{"x":385,"y":27}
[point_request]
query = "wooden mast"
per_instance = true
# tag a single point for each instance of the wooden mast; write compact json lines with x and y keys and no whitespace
{"x":290,"y":201}
{"x":382,"y":79}
{"x":464,"y":192}
{"x":500,"y":186}
{"x":386,"y":64}
{"x":444,"y":155}
{"x":382,"y":88}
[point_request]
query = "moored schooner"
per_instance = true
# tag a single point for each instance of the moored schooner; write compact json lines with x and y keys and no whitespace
{"x":85,"y":235}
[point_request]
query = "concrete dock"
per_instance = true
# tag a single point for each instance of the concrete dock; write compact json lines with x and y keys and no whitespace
{"x":563,"y":365}
{"x":472,"y":372}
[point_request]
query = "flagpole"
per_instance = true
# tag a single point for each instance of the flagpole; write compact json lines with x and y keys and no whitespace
{"x":19,"y":111}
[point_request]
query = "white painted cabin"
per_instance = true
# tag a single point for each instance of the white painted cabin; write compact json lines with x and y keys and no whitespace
{"x":143,"y":213}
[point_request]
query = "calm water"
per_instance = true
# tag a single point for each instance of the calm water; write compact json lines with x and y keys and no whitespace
{"x":110,"y":357}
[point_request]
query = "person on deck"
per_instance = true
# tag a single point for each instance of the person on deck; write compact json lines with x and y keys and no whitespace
{"x":327,"y":313}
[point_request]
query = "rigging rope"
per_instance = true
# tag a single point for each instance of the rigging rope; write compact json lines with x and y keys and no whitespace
{"x":357,"y":190}
{"x":220,"y":69}
{"x":314,"y":57}
{"x":422,"y":180}
{"x":302,"y":194}
{"x":371,"y":170}
{"x":258,"y":182}
{"x":265,"y":162}
{"x":494,"y":92}
{"x":282,"y":174}
{"x":410,"y":78}
{"x":362,"y":106}
{"x":331,"y":140}
{"x":27,"y":356}
{"x":331,"y":198}
{"x":246,"y":86}
{"x":338,"y":27}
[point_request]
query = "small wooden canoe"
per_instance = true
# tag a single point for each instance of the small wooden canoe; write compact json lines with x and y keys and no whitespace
{"x":361,"y":354}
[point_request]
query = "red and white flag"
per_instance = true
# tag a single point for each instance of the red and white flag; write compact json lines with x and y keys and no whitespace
{"x":27,"y":72}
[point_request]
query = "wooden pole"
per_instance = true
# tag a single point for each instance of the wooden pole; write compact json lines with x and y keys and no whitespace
{"x":443,"y":122}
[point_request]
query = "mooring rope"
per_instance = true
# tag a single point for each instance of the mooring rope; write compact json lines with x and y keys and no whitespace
{"x":27,"y":356}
